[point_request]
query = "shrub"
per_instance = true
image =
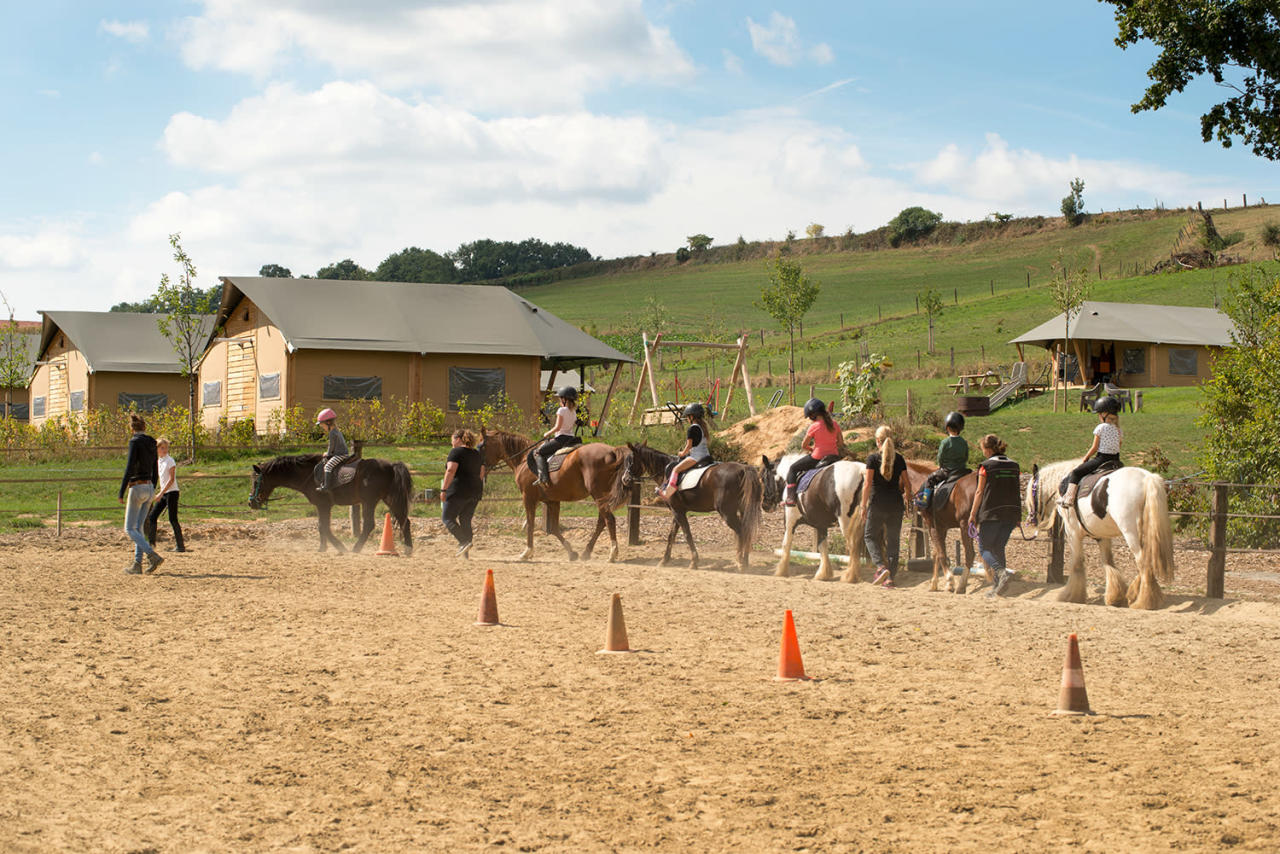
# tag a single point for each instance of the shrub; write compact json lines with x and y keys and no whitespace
{"x":912,"y":224}
{"x":1271,"y":234}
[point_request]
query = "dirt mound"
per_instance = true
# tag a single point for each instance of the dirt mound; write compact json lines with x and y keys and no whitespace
{"x":767,"y":433}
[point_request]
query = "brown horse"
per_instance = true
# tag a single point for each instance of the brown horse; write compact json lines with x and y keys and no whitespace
{"x":734,"y":490}
{"x":589,"y":470}
{"x":953,"y":514}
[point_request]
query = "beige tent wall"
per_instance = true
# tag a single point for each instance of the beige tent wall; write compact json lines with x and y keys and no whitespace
{"x":1158,"y":365}
{"x":105,"y":387}
{"x":66,"y":371}
{"x":255,"y":346}
{"x":308,"y":369}
{"x":522,"y":375}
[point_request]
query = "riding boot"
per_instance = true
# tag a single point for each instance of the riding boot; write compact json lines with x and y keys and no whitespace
{"x":790,"y":499}
{"x":543,"y":465}
{"x":326,"y":481}
{"x":1069,"y":497}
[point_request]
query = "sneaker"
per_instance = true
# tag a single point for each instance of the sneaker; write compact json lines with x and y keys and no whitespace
{"x":1002,"y":581}
{"x":882,"y":574}
{"x":888,"y":584}
{"x":153,"y":562}
{"x":466,"y":551}
{"x":134,"y":569}
{"x":462,"y":550}
{"x":181,"y":550}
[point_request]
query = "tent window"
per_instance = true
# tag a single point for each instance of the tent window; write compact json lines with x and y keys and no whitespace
{"x":77,"y":401}
{"x":142,"y":402}
{"x":1182,"y":363}
{"x":352,"y":388}
{"x":1135,"y":360}
{"x":476,"y":386}
{"x":212,"y":394}
{"x":269,"y":386}
{"x":37,"y":407}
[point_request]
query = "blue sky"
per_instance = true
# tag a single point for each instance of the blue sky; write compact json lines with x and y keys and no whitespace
{"x":301,"y":132}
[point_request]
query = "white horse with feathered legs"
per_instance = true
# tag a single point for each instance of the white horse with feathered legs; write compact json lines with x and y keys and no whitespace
{"x":1130,"y":502}
{"x":832,"y":498}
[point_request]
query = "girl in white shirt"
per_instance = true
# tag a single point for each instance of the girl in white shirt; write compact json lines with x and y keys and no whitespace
{"x":1107,"y":437}
{"x":561,"y":433}
{"x":166,"y":497}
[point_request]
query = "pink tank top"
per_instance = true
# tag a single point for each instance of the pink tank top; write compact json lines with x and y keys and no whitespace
{"x":824,"y":440}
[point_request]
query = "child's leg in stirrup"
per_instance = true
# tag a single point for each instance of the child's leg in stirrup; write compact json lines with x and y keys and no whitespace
{"x":677,"y":470}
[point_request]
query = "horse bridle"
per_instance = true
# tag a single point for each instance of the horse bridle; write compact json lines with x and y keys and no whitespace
{"x":507,"y":459}
{"x":256,"y":501}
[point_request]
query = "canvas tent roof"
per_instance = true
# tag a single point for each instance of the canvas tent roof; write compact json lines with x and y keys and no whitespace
{"x":116,"y":340}
{"x":333,"y":314}
{"x":1119,"y":321}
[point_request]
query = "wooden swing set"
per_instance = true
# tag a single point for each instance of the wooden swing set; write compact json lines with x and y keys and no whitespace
{"x":673,"y":412}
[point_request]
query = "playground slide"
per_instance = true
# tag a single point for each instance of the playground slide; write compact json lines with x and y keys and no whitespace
{"x":1009,"y":389}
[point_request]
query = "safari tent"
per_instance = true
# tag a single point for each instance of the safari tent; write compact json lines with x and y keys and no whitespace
{"x":88,"y":359}
{"x":1134,"y":345}
{"x":317,"y":342}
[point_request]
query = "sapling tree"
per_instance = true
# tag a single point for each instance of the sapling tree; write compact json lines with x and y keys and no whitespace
{"x":787,"y":298}
{"x":184,"y":321}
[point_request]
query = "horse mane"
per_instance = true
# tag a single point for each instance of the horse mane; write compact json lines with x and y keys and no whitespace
{"x":785,"y":463}
{"x":290,"y":463}
{"x":512,"y":446}
{"x":651,"y":458}
{"x":1048,"y":478}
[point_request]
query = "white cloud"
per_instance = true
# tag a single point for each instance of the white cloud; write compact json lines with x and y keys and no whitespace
{"x":95,"y":158}
{"x":130,"y":31}
{"x":732,"y":62}
{"x":518,"y":55}
{"x":780,"y":43}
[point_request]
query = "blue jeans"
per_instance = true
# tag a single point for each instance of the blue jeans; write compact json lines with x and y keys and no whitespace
{"x":137,"y":502}
{"x":992,"y":537}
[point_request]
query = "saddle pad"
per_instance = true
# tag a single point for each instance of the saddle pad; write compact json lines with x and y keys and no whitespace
{"x":807,"y":478}
{"x":1089,"y":481}
{"x":943,"y":492}
{"x":693,"y":476}
{"x":344,"y":475}
{"x":557,"y":459}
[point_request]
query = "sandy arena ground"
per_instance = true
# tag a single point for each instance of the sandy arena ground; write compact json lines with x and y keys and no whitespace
{"x":255,"y":696}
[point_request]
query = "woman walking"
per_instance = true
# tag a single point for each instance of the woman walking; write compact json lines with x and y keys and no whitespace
{"x":886,"y":494}
{"x":167,"y":470}
{"x":463,"y":487}
{"x":997,"y":508}
{"x":139,"y":480}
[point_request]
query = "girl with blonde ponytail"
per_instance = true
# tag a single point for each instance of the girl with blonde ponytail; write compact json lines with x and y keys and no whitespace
{"x":886,"y":494}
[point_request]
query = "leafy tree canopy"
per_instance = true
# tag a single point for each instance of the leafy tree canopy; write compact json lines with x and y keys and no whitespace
{"x":274,"y":271}
{"x":1235,"y":42}
{"x":698,"y":242}
{"x":911,"y":224}
{"x":494,"y":259}
{"x":416,"y":265}
{"x":344,"y":269}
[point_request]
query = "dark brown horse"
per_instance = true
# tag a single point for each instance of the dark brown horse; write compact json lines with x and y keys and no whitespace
{"x":940,"y":520}
{"x":375,"y":480}
{"x":588,"y":471}
{"x":733,"y":490}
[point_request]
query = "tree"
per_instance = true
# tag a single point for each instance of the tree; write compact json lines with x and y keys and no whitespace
{"x":1001,"y":218}
{"x":1073,"y":205}
{"x":274,"y":271}
{"x":1235,"y":42}
{"x":931,"y":302}
{"x":698,"y":242}
{"x":345,"y":269}
{"x":184,"y":321}
{"x":912,"y":224}
{"x":1068,"y":291}
{"x":486,"y":259}
{"x":416,"y":265}
{"x":15,"y":357}
{"x":787,"y":298}
{"x":815,"y":231}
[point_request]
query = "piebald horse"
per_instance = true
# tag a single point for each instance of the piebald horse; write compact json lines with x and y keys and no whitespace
{"x":832,"y":498}
{"x":1130,"y":502}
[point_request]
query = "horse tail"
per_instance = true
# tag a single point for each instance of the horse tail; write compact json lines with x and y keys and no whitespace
{"x":619,"y":494}
{"x":749,"y":506}
{"x":1156,"y":532}
{"x":401,"y":491}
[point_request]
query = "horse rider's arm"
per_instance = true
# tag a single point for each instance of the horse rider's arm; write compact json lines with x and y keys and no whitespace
{"x":806,"y":444}
{"x":450,"y":470}
{"x":688,"y":446}
{"x":1093,"y":449}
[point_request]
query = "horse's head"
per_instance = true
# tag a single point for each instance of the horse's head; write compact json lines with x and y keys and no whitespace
{"x":771,"y":485}
{"x":636,"y":463}
{"x":261,"y":492}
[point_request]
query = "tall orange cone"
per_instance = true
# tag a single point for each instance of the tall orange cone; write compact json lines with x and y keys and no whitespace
{"x":488,"y":603}
{"x":388,"y":547}
{"x":615,"y":636}
{"x":790,"y":667}
{"x":1073,"y":700}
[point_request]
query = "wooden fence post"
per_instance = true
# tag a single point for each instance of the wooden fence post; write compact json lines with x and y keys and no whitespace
{"x":1215,"y":584}
{"x":1057,"y":542}
{"x":908,"y":406}
{"x":633,"y":515}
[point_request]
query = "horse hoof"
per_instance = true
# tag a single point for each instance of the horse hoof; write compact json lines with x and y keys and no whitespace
{"x":573,"y":555}
{"x":664,"y":562}
{"x":613,"y":556}
{"x":527,"y":554}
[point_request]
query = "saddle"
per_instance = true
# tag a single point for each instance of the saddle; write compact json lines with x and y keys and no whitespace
{"x":1087,"y":484}
{"x":692,"y":477}
{"x":556,"y":460}
{"x":942,"y":492}
{"x":807,"y":477}
{"x":343,"y":475}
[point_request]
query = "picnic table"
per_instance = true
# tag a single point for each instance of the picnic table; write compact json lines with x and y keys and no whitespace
{"x":966,"y":382}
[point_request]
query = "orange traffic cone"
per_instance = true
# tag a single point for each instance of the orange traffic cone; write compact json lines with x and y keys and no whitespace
{"x":615,"y":636}
{"x":1073,"y":700}
{"x":388,"y":547}
{"x":488,"y":603}
{"x":790,"y":667}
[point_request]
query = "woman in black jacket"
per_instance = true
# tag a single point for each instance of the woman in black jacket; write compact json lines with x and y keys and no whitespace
{"x":463,"y":487}
{"x":139,"y":479}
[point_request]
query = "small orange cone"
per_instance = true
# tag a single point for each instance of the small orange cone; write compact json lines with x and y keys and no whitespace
{"x":790,"y":667}
{"x":388,"y":547}
{"x":1073,"y":700}
{"x":615,"y":636}
{"x":488,"y":603}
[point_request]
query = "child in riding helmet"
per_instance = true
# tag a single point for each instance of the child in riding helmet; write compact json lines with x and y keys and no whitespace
{"x":997,"y":508}
{"x":336,"y":453}
{"x":561,"y":433}
{"x":823,"y":440}
{"x":696,"y":452}
{"x":953,"y":458}
{"x":1107,"y":437}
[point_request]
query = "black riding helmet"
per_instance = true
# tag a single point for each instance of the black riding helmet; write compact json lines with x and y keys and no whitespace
{"x":954,"y":421}
{"x":695,"y":410}
{"x":814,"y":407}
{"x":568,"y":393}
{"x":1109,"y":405}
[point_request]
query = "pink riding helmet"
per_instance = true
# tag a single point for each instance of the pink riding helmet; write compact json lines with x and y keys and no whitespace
{"x":326,"y":415}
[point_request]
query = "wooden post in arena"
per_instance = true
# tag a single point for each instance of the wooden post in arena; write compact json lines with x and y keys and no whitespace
{"x":1215,"y":586}
{"x":633,"y":515}
{"x":1057,"y":543}
{"x":608,"y":396}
